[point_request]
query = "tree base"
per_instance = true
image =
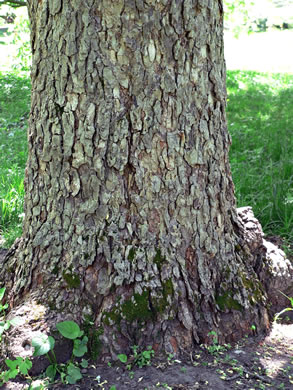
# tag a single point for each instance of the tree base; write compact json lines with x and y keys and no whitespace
{"x":114,"y":332}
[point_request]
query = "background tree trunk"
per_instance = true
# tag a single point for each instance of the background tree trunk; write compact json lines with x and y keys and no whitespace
{"x":130,"y":211}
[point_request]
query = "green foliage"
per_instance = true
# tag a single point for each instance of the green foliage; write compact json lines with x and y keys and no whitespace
{"x":42,"y":344}
{"x":93,"y":334}
{"x":19,"y":365}
{"x":122,"y":357}
{"x":141,"y":359}
{"x":255,"y":16}
{"x":21,"y":39}
{"x":236,"y":15}
{"x":73,"y":374}
{"x":5,"y":306}
{"x":15,"y":367}
{"x":14,"y":109}
{"x":259,"y":120}
{"x":69,"y":330}
{"x":70,"y":373}
{"x":215,"y":348}
{"x":80,"y":346}
{"x":13,"y":3}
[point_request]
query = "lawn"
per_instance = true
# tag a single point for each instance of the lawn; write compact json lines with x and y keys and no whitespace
{"x":14,"y":109}
{"x":260,"y":119}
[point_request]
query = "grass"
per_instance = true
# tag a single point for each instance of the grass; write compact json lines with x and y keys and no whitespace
{"x":14,"y":109}
{"x":260,"y":120}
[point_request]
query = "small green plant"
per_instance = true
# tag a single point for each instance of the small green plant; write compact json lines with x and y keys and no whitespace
{"x":44,"y":345}
{"x":131,"y":374}
{"x":165,"y":385}
{"x":170,"y":358}
{"x":122,"y":357}
{"x":5,"y":324}
{"x":15,"y":367}
{"x":20,"y":366}
{"x":215,"y":348}
{"x":141,"y":359}
{"x":277,"y":316}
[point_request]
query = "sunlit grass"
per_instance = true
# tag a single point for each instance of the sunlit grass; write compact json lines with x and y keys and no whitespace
{"x":14,"y":108}
{"x":260,"y":117}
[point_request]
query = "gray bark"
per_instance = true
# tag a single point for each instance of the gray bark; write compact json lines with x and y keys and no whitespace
{"x":130,"y":210}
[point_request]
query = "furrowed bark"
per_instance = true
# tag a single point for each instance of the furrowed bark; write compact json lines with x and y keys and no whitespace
{"x":130,"y":209}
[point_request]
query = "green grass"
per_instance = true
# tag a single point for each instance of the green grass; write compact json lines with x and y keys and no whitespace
{"x":14,"y":109}
{"x":260,"y":118}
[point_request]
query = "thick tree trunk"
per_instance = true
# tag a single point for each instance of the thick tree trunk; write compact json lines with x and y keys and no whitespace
{"x":130,"y":211}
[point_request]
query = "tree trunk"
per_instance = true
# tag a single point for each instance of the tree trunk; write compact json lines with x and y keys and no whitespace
{"x":130,"y":209}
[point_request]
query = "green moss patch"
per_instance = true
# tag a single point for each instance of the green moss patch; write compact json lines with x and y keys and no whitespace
{"x":139,"y":309}
{"x":71,"y":279}
{"x":160,"y":304}
{"x":255,"y":288}
{"x":131,"y":254}
{"x":227,"y":302}
{"x":132,"y":309}
{"x":159,"y":259}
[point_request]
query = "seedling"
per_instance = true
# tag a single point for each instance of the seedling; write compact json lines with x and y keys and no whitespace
{"x":122,"y":357}
{"x":144,"y":358}
{"x":44,"y":345}
{"x":131,"y":374}
{"x":141,"y":359}
{"x":15,"y":367}
{"x":215,"y":348}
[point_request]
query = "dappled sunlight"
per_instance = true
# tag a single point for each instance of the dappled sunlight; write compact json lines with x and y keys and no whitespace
{"x":274,"y":359}
{"x":282,"y":331}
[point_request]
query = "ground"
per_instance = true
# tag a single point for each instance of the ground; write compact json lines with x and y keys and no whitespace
{"x":254,"y":363}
